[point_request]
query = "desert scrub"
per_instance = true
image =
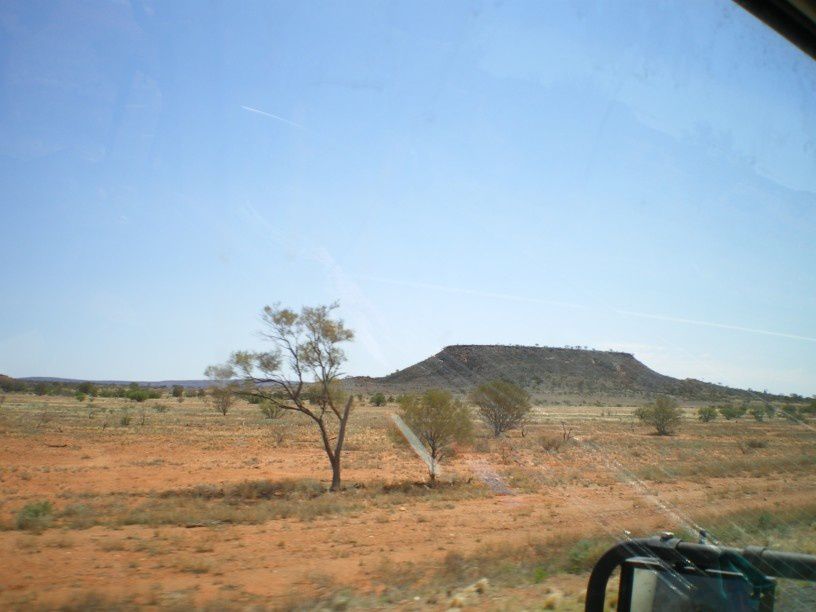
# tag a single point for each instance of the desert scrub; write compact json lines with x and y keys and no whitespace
{"x":35,"y":516}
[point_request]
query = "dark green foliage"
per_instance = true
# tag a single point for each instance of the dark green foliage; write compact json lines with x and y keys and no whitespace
{"x":177,"y":391}
{"x":790,"y":412}
{"x":378,"y":399}
{"x":140,"y":394}
{"x":11,"y":385}
{"x":88,"y":389}
{"x":730,"y":412}
{"x":707,"y":413}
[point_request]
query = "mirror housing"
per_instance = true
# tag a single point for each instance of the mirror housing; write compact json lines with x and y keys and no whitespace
{"x":702,"y":574}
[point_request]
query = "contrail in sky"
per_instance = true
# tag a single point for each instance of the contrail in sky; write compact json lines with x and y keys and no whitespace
{"x":260,"y":112}
{"x":751,"y":330}
{"x":629,"y":313}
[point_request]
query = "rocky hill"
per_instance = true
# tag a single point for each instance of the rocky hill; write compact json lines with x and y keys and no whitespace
{"x":543,"y":371}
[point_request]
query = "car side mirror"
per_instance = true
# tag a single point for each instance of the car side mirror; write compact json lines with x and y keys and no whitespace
{"x":646,"y":585}
{"x":664,"y":573}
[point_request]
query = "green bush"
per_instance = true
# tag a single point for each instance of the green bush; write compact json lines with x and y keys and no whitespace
{"x":378,"y":399}
{"x":35,"y":516}
{"x":502,"y":405}
{"x":731,"y":412}
{"x":270,"y":410}
{"x":758,"y":412}
{"x":790,"y":412}
{"x":707,"y":413}
{"x":80,"y":396}
{"x":664,"y":415}
{"x":87,"y":388}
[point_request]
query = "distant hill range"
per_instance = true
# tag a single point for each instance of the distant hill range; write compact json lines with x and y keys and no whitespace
{"x":545,"y":371}
{"x":118,"y":383}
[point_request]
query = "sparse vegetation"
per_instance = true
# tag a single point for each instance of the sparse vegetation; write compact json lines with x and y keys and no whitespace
{"x":502,"y":405}
{"x":162,"y":526}
{"x":730,"y":411}
{"x":178,"y":392}
{"x":378,"y":399}
{"x":304,"y":343}
{"x":35,"y":516}
{"x":664,"y":415}
{"x":438,"y":420}
{"x":706,"y":414}
{"x":222,"y":398}
{"x":270,"y":410}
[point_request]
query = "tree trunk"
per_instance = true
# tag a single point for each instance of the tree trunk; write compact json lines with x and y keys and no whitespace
{"x":338,"y":449}
{"x":335,"y":485}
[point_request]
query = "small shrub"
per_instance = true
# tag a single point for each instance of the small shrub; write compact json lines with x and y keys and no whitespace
{"x":790,"y":412}
{"x":730,"y":412}
{"x":758,"y":412}
{"x":378,"y":399}
{"x":35,"y":516}
{"x":664,"y":415}
{"x":270,"y":410}
{"x":642,"y":413}
{"x":706,"y":414}
{"x":125,"y":418}
{"x":550,"y":443}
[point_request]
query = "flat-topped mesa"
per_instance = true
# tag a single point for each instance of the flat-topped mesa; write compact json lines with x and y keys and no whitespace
{"x":543,"y":369}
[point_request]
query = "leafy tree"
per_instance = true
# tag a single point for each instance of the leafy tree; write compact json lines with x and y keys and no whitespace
{"x":223,"y":391}
{"x":11,"y":385}
{"x":305,"y":350}
{"x":664,"y":414}
{"x":41,"y":388}
{"x":223,"y":398}
{"x":178,"y":393}
{"x":88,"y":388}
{"x":378,"y":399}
{"x":758,"y":412}
{"x":502,"y":405}
{"x":707,"y":413}
{"x":80,"y":396}
{"x":438,"y":420}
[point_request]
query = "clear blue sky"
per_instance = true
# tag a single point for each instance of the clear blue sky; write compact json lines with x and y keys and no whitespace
{"x":629,"y":175}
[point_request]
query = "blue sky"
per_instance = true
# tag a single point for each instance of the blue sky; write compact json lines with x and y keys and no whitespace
{"x":629,"y":175}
